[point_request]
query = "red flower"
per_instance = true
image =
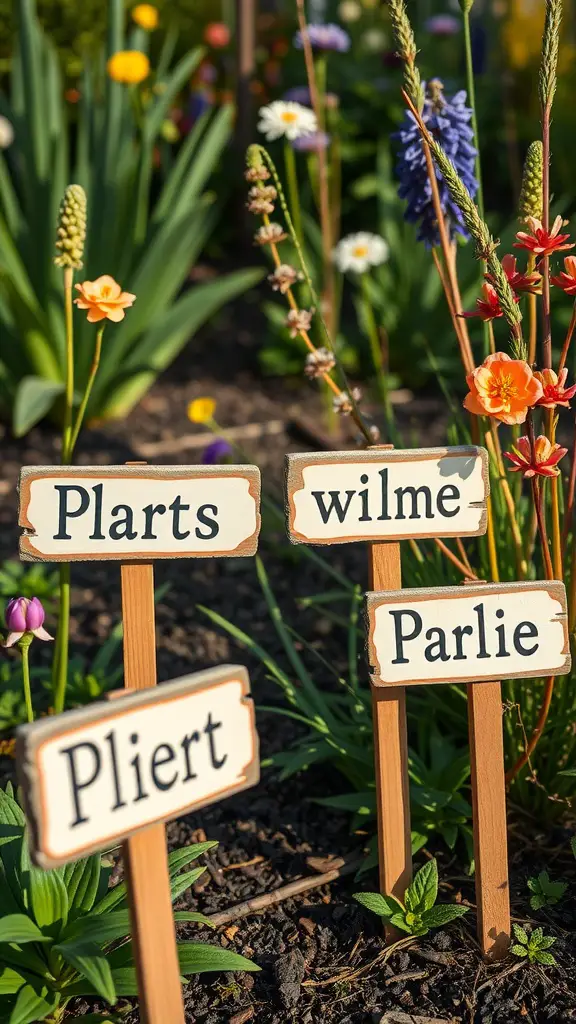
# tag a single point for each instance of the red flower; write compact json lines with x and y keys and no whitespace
{"x":518,"y":281}
{"x":540,"y":462}
{"x":566,"y":280}
{"x":553,"y":391}
{"x":542,"y":242}
{"x":488,"y":307}
{"x":217,"y":35}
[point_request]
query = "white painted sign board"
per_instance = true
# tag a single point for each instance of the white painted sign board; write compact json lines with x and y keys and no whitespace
{"x":138,"y":512}
{"x":338,"y":497}
{"x":468,"y":633}
{"x":97,"y":775}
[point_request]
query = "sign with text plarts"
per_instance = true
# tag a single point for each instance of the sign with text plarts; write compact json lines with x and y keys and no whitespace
{"x":97,"y":775}
{"x":373,"y":495}
{"x":468,"y":633}
{"x":138,"y":512}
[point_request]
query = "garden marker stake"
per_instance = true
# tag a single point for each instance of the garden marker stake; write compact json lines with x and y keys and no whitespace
{"x":383,"y":496}
{"x":96,"y":776}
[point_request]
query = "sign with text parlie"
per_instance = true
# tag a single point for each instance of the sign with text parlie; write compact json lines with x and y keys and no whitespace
{"x":97,"y":775}
{"x":468,"y":633}
{"x":138,"y":512}
{"x":379,"y":495}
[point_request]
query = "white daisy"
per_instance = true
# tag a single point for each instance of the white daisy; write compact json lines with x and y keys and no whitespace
{"x":360,"y":251}
{"x":283,"y":118}
{"x":6,"y":133}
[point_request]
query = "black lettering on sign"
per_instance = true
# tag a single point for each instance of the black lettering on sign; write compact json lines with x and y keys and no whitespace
{"x":76,"y":782}
{"x":213,"y":527}
{"x":400,"y":637}
{"x":414,"y":493}
{"x":158,"y":761}
{"x":176,"y":508}
{"x":150,"y":511}
{"x":65,"y":513}
{"x":525,"y":631}
{"x":334,"y":506}
{"x":123,"y":528}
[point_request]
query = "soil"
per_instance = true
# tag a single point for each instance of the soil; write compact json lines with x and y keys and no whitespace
{"x":322,"y":957}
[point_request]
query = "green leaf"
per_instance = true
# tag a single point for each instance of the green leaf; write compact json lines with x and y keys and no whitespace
{"x":421,"y":894}
{"x":98,"y":928}
{"x":81,"y":880}
{"x":87,"y":959}
{"x":20,"y":928}
{"x":520,"y":934}
{"x":573,"y":843}
{"x":181,"y":858}
{"x":519,"y":951}
{"x":31,"y":1006}
{"x":193,"y":915}
{"x":544,"y":958}
{"x":99,"y":1018}
{"x":546,"y":941}
{"x":34,"y":398}
{"x":10,"y":981}
{"x":442,"y":914}
{"x":10,"y":812}
{"x":399,"y":921}
{"x":197,"y":957}
{"x":378,"y":903}
{"x":48,"y":897}
{"x":182,"y":882}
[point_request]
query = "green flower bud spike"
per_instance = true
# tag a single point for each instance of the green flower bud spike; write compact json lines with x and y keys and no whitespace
{"x":71,"y":232}
{"x":530,"y":202}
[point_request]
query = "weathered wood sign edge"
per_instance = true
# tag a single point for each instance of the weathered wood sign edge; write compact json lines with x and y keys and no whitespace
{"x":31,"y":738}
{"x":296,"y":463}
{"x":374,"y":600}
{"x":29,"y":474}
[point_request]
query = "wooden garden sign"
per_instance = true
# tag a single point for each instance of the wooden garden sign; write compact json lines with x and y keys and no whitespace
{"x":135,"y":514}
{"x":480,"y":632}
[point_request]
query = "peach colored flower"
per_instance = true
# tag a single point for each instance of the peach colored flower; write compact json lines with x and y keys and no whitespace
{"x":542,"y":461}
{"x":554,"y":391}
{"x":566,"y":279}
{"x":502,"y":387}
{"x":104,"y":299}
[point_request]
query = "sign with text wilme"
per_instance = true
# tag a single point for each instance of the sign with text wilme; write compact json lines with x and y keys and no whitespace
{"x":97,"y":775}
{"x":338,"y":497}
{"x":138,"y":512}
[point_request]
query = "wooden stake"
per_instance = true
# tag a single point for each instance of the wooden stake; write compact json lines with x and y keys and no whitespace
{"x":145,"y":854}
{"x":489,"y":818}
{"x":391,"y":751}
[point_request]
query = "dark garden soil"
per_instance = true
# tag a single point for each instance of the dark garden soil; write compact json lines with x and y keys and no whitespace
{"x":322,"y":957}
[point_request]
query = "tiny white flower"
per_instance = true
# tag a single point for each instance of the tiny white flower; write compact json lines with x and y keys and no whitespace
{"x":359,"y":252}
{"x":349,"y":10}
{"x":374,"y":40}
{"x":6,"y":133}
{"x":283,"y":118}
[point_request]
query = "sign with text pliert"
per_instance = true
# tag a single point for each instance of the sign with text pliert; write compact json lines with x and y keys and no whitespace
{"x":379,"y":495}
{"x":97,"y":775}
{"x":468,"y":633}
{"x":138,"y":512}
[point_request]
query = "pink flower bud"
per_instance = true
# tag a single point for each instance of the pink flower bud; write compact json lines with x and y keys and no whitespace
{"x":24,"y":615}
{"x":15,"y":614}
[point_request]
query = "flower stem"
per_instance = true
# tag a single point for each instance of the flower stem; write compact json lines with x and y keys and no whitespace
{"x":25,"y":649}
{"x":567,"y":340}
{"x":492,"y":550}
{"x":88,"y":391}
{"x":64,"y":639}
{"x":493,"y":445}
{"x":555,"y":507}
{"x":375,"y":347}
{"x":533,"y":315}
{"x":292,"y":182}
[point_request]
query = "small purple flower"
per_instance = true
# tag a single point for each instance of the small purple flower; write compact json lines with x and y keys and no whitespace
{"x":311,"y":143}
{"x":216,"y":451}
{"x":298,"y":94}
{"x":442,"y":25}
{"x":325,"y":37}
{"x":24,"y":615}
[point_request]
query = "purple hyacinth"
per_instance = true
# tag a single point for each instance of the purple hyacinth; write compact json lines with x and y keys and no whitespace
{"x":216,"y":450}
{"x":311,"y":143}
{"x":449,"y":121}
{"x":325,"y":37}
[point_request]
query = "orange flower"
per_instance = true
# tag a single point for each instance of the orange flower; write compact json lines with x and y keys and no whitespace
{"x":553,"y":391}
{"x":540,"y":241}
{"x":502,"y":387}
{"x":566,"y":279}
{"x":104,"y":299}
{"x":542,"y":461}
{"x":128,"y":66}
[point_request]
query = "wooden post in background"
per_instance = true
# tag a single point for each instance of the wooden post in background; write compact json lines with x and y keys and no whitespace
{"x":391,"y":750}
{"x":145,"y":854}
{"x":489,"y":818}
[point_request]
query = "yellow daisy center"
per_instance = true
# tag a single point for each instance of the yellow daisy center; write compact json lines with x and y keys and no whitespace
{"x":288,"y":116}
{"x":360,"y":250}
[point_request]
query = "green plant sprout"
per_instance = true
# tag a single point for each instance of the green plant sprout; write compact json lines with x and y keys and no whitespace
{"x":419,"y":912}
{"x":534,"y":946}
{"x":545,"y":893}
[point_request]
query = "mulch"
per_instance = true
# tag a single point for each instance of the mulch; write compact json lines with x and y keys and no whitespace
{"x":322,"y":956}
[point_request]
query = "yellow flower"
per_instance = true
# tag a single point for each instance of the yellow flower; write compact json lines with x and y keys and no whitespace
{"x":128,"y":66}
{"x":201,"y":410}
{"x":8,"y":748}
{"x":146,"y":16}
